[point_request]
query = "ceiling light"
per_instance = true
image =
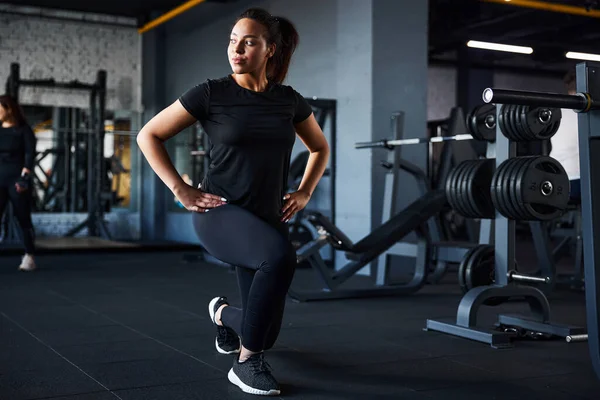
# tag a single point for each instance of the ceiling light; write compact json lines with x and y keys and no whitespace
{"x":583,"y":56}
{"x":499,"y":47}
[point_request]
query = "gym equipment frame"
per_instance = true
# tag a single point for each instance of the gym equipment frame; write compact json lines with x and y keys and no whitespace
{"x":586,"y":104}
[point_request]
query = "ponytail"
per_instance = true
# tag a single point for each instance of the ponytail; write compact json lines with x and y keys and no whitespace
{"x":282,"y":33}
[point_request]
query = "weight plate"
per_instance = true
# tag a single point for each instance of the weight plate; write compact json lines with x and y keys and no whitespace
{"x":512,"y":117}
{"x":461,"y":207}
{"x":494,"y":188}
{"x":521,"y":124}
{"x":480,"y":270}
{"x":506,"y":190}
{"x":544,"y":189}
{"x":479,"y":191}
{"x":554,"y":125}
{"x":527,"y":216}
{"x":541,"y":121}
{"x":517,"y":177}
{"x":448,"y":187}
{"x":523,"y":118}
{"x":506,"y":115}
{"x":471,"y":123}
{"x":450,"y":190}
{"x":451,"y":187}
{"x":503,"y":121}
{"x":486,"y":122}
{"x":462,"y":268}
{"x":466,"y":186}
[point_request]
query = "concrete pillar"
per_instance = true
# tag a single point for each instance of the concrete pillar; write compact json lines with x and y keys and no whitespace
{"x":153,"y":192}
{"x":399,"y":83}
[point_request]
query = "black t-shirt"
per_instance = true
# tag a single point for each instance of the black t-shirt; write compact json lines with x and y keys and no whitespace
{"x":251,"y":138}
{"x":17,"y":149}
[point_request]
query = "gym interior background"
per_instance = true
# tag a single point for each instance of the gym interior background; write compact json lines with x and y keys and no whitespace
{"x":364,"y":65}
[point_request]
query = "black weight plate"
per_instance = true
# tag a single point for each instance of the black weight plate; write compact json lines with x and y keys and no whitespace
{"x":523,"y":118}
{"x":480,"y":269}
{"x":506,"y":195}
{"x":521,"y":124}
{"x":503,"y":122}
{"x":479,"y":193}
{"x":501,"y":190}
{"x":451,"y":183}
{"x":518,"y":191}
{"x":517,"y":177}
{"x":461,"y":202}
{"x":462,"y":268}
{"x":472,"y":123}
{"x":466,"y":186}
{"x":518,"y":137}
{"x":510,"y":134}
{"x":448,"y":187}
{"x":538,"y":127}
{"x":552,"y":128}
{"x":496,"y":189}
{"x":452,"y":199}
{"x":544,"y":207}
{"x":486,"y":130}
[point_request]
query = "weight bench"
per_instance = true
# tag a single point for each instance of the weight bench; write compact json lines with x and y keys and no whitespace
{"x":412,"y":219}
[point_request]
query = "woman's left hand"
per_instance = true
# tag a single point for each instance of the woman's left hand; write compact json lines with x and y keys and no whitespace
{"x":294,"y":202}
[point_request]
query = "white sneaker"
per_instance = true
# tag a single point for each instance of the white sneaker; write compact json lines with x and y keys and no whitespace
{"x":27,"y":264}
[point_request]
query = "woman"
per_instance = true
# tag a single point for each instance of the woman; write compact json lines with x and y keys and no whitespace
{"x":242,"y":208}
{"x":17,"y":152}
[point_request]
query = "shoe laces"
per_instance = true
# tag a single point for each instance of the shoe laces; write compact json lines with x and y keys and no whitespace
{"x":259,"y":365}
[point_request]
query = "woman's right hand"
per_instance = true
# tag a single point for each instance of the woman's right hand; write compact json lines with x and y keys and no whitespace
{"x":196,"y":200}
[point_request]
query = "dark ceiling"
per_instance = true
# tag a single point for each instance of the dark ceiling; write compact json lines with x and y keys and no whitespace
{"x":451,"y":24}
{"x":550,"y":34}
{"x":140,"y":9}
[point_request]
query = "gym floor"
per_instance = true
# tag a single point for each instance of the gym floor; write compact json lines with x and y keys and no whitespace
{"x":135,"y":326}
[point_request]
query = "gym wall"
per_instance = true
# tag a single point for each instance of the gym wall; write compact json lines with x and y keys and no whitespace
{"x":66,"y":51}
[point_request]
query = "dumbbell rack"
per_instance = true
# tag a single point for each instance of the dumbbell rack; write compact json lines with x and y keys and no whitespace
{"x":504,"y":289}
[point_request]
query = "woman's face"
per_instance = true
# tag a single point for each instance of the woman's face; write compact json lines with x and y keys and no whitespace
{"x":248,"y":50}
{"x":3,"y":113}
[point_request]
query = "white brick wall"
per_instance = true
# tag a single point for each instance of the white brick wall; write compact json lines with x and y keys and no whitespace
{"x":67,"y":51}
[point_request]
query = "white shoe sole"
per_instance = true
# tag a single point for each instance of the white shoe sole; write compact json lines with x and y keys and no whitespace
{"x":233,"y":378}
{"x":211,"y":312}
{"x":220,"y":350}
{"x":211,"y":309}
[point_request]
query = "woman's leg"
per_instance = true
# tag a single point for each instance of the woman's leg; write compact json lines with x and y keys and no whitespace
{"x":238,"y":237}
{"x":233,"y":317}
{"x":22,"y":208}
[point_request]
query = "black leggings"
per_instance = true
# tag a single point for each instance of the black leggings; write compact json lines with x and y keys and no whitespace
{"x":21,"y":203}
{"x":265,"y":262}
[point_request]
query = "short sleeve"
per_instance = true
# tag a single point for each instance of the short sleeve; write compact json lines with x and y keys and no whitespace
{"x":303,"y":109}
{"x":196,"y":101}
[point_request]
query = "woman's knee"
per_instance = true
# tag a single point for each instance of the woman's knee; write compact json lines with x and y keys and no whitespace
{"x":281,"y":257}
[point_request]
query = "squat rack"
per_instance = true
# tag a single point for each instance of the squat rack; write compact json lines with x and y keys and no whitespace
{"x":95,"y":142}
{"x":586,"y":102}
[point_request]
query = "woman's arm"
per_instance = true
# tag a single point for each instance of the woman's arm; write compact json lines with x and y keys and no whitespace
{"x":165,"y":125}
{"x":30,"y":142}
{"x":312,"y":136}
{"x":151,"y":138}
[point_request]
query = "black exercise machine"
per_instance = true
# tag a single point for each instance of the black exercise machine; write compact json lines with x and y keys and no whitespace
{"x":97,"y":196}
{"x":420,"y":217}
{"x":588,"y":86}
